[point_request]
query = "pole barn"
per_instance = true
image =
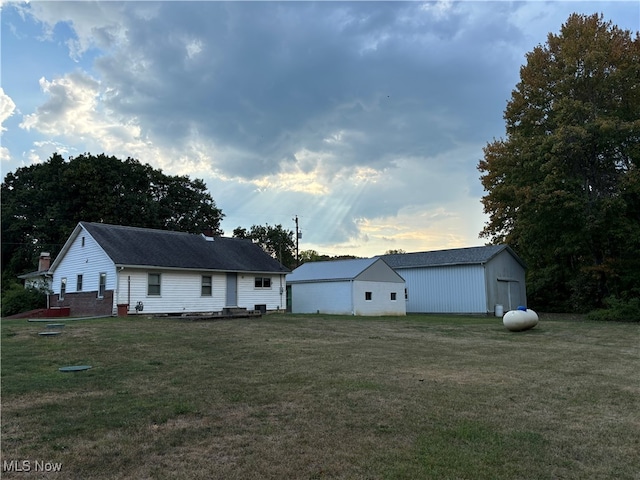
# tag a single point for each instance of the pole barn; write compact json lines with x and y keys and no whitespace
{"x":475,"y":280}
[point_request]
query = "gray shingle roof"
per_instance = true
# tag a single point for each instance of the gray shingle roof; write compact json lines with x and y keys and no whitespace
{"x":456,"y":256}
{"x":134,"y":246}
{"x":334,"y":270}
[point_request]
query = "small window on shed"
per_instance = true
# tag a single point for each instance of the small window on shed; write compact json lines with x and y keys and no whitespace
{"x":393,"y":296}
{"x":367,"y":295}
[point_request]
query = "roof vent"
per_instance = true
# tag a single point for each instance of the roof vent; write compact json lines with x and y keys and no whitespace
{"x":207,"y":238}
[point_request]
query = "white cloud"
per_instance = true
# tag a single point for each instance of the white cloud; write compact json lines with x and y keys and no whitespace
{"x":7,"y":108}
{"x":193,"y":47}
{"x":95,"y":24}
{"x":71,"y":105}
{"x":73,"y":111}
{"x":5,"y":155}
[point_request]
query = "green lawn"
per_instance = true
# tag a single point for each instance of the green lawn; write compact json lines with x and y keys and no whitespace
{"x":311,"y":397}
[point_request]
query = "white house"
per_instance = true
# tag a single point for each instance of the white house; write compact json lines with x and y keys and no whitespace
{"x":103,"y":266}
{"x":464,"y":280}
{"x":365,"y":286}
{"x":39,"y":279}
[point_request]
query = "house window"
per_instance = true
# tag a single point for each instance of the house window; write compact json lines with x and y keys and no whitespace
{"x":63,"y":287}
{"x":367,"y":295}
{"x":82,"y":242}
{"x":393,"y":296}
{"x":154,"y":284}
{"x":206,"y":286}
{"x":263,"y":282}
{"x":79,"y":283}
{"x":406,"y":294}
{"x":102,"y":285}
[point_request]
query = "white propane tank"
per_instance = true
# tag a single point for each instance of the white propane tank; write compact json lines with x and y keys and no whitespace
{"x":520,"y":319}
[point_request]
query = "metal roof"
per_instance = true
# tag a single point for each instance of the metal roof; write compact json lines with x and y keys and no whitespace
{"x":333,"y":270}
{"x":133,"y":246}
{"x":455,"y":256}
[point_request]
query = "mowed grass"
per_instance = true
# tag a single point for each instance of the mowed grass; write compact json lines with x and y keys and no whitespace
{"x":312,"y":397}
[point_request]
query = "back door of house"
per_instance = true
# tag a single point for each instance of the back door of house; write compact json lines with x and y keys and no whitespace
{"x":232,"y":290}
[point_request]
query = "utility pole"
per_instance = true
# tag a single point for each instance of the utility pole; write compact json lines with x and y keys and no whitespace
{"x":298,"y":237}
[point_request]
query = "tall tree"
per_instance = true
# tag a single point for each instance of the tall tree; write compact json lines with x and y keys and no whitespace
{"x":275,"y":240}
{"x":42,"y":203}
{"x":563,"y":185}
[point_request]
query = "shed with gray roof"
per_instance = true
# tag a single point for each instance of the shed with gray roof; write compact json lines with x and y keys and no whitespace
{"x":462,"y":280}
{"x":365,"y":286}
{"x":102,"y":266}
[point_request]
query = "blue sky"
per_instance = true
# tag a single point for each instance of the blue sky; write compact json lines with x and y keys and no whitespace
{"x":365,"y":119}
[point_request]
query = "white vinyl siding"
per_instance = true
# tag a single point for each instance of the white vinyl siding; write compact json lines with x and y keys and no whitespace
{"x":249,"y":296}
{"x":182,"y":291}
{"x":89,"y":261}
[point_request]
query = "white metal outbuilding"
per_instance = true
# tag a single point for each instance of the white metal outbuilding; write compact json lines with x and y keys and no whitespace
{"x":366,"y":286}
{"x":475,"y":280}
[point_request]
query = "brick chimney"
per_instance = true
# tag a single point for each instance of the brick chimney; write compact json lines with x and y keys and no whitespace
{"x":44,"y":262}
